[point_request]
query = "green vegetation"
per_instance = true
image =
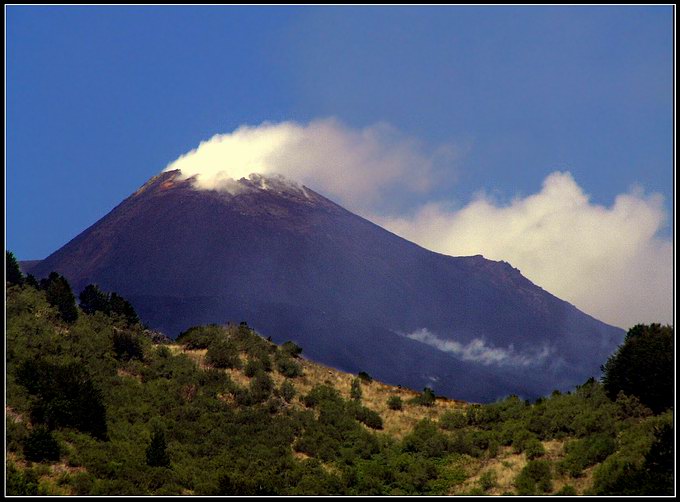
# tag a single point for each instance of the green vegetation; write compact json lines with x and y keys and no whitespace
{"x":643,"y":367}
{"x":121,"y":415}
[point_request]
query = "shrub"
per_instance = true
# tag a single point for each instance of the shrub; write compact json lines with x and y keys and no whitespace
{"x":365,"y":377}
{"x":427,"y":398}
{"x":533,"y":449}
{"x":367,"y":416}
{"x":127,"y":346}
{"x":200,"y":337}
{"x":487,"y":480}
{"x":395,"y":403}
{"x":291,"y":349}
{"x":41,"y":445}
{"x":287,"y":391}
{"x":567,"y":490}
{"x":288,"y":367}
{"x":355,"y":390}
{"x":535,"y":477}
{"x":452,"y":420}
{"x":222,"y":353}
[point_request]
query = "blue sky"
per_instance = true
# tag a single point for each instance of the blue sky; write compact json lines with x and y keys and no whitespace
{"x":99,"y":99}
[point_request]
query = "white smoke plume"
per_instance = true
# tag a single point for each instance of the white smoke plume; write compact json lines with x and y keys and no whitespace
{"x":477,"y":351}
{"x":608,"y":261}
{"x":356,"y":168}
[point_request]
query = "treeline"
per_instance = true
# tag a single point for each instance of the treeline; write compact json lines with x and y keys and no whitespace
{"x":126,"y":416}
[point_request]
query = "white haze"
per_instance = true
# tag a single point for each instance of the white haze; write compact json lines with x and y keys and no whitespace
{"x":608,"y":261}
{"x":477,"y":351}
{"x":356,"y":168}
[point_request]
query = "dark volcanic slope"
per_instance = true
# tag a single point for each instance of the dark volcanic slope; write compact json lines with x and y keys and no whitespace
{"x":297,"y":266}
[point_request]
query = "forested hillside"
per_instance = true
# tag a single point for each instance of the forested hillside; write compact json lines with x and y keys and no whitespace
{"x":98,"y":405}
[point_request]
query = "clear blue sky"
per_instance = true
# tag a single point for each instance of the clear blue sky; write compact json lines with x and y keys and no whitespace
{"x":99,"y":99}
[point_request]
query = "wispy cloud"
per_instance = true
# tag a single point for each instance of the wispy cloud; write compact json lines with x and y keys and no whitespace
{"x":478,"y":351}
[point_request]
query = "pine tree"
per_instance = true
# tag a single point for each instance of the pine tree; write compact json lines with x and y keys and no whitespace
{"x":93,"y":299}
{"x":156,"y":452}
{"x":14,"y":275}
{"x":58,"y":293}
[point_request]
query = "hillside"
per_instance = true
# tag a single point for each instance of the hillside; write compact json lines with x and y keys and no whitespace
{"x":95,"y":407}
{"x":357,"y":297}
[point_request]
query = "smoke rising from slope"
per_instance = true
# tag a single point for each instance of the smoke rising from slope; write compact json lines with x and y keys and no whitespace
{"x":357,"y":168}
{"x":608,"y":261}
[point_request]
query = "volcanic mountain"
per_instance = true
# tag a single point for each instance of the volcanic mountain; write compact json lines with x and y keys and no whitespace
{"x":297,"y":266}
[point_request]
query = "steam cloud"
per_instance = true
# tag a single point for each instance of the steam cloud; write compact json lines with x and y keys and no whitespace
{"x":357,"y":168}
{"x":608,"y":261}
{"x":477,"y":351}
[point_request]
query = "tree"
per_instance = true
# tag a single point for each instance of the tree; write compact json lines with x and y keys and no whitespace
{"x":643,"y":367}
{"x":156,"y":452}
{"x":93,"y":299}
{"x":121,"y":306}
{"x":127,"y":346}
{"x":14,"y":275}
{"x":58,"y":293}
{"x":40,"y":445}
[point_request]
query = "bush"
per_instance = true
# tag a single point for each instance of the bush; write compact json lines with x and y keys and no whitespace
{"x":40,"y":445}
{"x":567,"y":490}
{"x":365,"y":377}
{"x":395,"y":403}
{"x":291,"y":349}
{"x":427,"y":398}
{"x":536,"y":477}
{"x":368,"y":417}
{"x":287,"y":391}
{"x":355,"y":390}
{"x":222,"y":353}
{"x":288,"y":367}
{"x":533,"y":449}
{"x":585,"y":452}
{"x":127,"y":346}
{"x":200,"y":337}
{"x":452,"y":420}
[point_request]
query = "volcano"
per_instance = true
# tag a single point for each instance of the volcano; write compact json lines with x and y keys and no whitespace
{"x":296,"y":266}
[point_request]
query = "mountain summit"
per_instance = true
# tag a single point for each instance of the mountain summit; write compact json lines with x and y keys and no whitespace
{"x":299,"y":267}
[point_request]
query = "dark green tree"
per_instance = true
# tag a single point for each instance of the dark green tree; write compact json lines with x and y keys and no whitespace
{"x":121,"y":306}
{"x":93,"y":299}
{"x":14,"y":275}
{"x":643,"y":367}
{"x":58,"y":293}
{"x":65,"y":395}
{"x":127,"y":345}
{"x":156,"y":452}
{"x":40,"y":445}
